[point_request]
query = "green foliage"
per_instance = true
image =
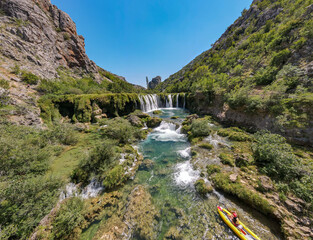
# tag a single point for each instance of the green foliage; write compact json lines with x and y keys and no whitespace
{"x":235,"y":134}
{"x":227,"y":158}
{"x":66,"y":36}
{"x":24,"y":203}
{"x":115,"y":177}
{"x":207,"y":146}
{"x":275,"y":157}
{"x":68,"y":217}
{"x":280,"y":58}
{"x":4,"y":84}
{"x":200,"y":128}
{"x":221,"y":181}
{"x":265,"y":76}
{"x":30,"y":78}
{"x":63,"y":133}
{"x":119,"y":129}
{"x":100,"y":159}
{"x":212,"y":168}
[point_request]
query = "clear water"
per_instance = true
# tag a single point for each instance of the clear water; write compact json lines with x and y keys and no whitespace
{"x":171,"y":184}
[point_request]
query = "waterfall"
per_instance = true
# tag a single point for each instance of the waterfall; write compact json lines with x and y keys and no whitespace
{"x":150,"y":102}
{"x":169,"y":102}
{"x":184,"y":101}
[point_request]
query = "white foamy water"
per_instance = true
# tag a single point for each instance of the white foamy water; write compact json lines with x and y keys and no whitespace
{"x":186,"y":153}
{"x":185,"y":174}
{"x":91,"y":190}
{"x":167,"y":132}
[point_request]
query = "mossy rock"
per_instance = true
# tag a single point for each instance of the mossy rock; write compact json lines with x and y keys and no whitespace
{"x":157,"y":112}
{"x":227,"y":158}
{"x":174,"y":117}
{"x":207,"y":146}
{"x":202,"y":187}
{"x":173,"y":233}
{"x":154,"y":122}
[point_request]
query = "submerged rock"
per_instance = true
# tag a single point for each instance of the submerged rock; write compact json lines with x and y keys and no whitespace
{"x":146,"y":164}
{"x":141,"y":214}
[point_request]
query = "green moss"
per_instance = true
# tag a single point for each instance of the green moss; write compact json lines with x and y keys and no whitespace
{"x":203,"y":188}
{"x":234,"y":134}
{"x":207,"y":146}
{"x":227,"y":158}
{"x":212,"y":168}
{"x":157,"y":112}
{"x":114,"y":178}
{"x":221,"y":181}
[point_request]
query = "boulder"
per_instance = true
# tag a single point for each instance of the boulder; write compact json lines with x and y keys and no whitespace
{"x":265,"y":184}
{"x":154,"y":122}
{"x":233,"y":177}
{"x":243,"y":159}
{"x":135,"y":121}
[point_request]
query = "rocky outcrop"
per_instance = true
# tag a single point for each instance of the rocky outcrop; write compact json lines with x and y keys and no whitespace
{"x":154,"y":82}
{"x":204,"y":104}
{"x":39,"y":37}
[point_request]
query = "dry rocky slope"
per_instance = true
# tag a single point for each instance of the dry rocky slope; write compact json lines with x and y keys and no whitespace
{"x":38,"y":36}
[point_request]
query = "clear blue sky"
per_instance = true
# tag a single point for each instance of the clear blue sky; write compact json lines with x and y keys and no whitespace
{"x":139,"y":38}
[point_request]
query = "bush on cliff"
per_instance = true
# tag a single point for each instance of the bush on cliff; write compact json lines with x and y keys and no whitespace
{"x":275,"y":157}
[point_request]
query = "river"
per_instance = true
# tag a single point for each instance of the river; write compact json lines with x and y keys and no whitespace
{"x":171,"y":184}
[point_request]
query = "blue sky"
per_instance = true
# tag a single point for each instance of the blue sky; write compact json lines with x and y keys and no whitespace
{"x":139,"y":38}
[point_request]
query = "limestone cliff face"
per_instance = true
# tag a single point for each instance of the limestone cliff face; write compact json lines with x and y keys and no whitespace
{"x":39,"y":37}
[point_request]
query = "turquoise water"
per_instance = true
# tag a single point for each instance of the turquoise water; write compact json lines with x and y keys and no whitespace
{"x":171,"y":184}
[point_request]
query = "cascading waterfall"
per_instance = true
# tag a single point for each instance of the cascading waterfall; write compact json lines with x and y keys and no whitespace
{"x":169,"y":101}
{"x":150,"y":102}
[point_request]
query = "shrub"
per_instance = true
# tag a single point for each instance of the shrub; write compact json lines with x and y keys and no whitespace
{"x":280,"y":58}
{"x":200,"y":128}
{"x":115,"y":177}
{"x":4,"y":84}
{"x":119,"y":129}
{"x":16,"y":70}
{"x":30,"y":78}
{"x":68,"y":217}
{"x":63,"y":133}
{"x":275,"y":157}
{"x":100,"y":159}
{"x":265,"y":76}
{"x":24,"y":203}
{"x":227,"y":158}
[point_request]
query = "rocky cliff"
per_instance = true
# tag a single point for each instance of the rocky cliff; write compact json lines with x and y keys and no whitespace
{"x":38,"y":36}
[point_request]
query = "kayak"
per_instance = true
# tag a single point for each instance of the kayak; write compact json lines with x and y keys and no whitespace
{"x":240,"y":230}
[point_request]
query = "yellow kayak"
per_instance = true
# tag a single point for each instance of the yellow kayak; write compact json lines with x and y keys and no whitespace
{"x":241,"y":230}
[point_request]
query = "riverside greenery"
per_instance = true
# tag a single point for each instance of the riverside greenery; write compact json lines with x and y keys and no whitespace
{"x":255,"y":66}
